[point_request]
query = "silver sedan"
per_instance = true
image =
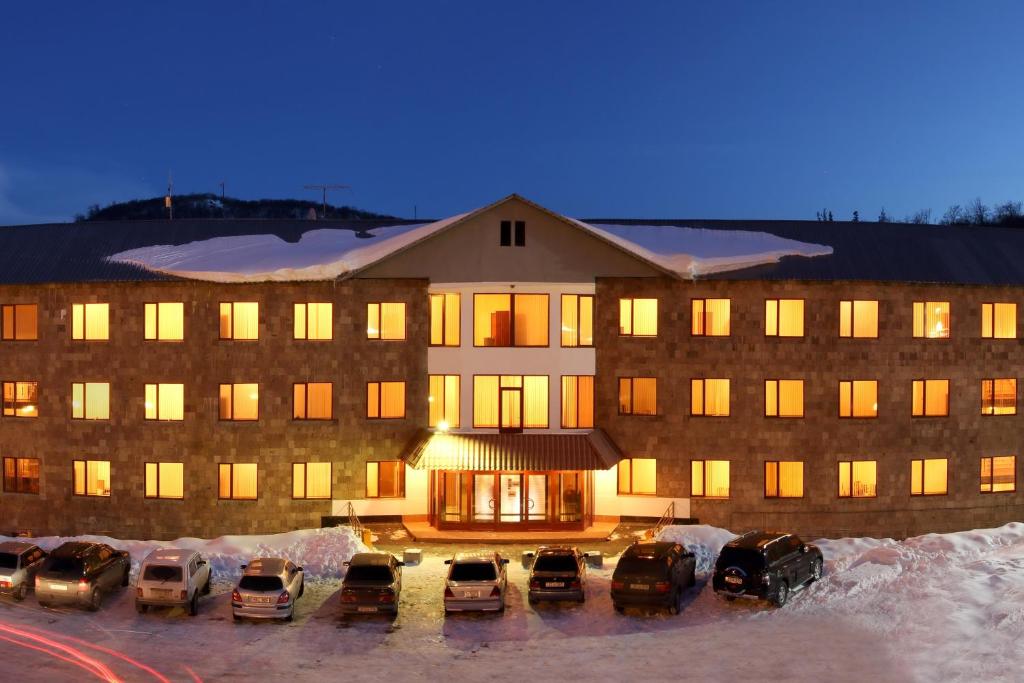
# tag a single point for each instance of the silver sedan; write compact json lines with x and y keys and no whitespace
{"x":268,"y":589}
{"x":476,"y":582}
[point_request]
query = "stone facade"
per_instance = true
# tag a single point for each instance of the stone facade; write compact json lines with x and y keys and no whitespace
{"x":820,"y":439}
{"x":201,"y":362}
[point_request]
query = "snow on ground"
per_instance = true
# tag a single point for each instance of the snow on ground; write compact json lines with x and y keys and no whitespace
{"x":937,"y":607}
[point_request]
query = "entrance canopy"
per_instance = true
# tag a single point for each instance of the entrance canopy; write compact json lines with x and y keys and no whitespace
{"x":512,"y":452}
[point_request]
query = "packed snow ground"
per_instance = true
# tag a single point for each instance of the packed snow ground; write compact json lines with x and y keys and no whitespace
{"x":935,"y":607}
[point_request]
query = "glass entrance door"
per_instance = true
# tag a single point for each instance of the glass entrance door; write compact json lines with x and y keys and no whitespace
{"x":483,"y":497}
{"x":511,"y":491}
{"x":536,"y":497}
{"x":501,"y":500}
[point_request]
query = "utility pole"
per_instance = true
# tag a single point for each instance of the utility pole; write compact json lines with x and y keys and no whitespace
{"x":324,"y":189}
{"x":221,"y":183}
{"x":168,"y":203}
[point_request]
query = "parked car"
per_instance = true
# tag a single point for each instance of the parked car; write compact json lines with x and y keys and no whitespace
{"x":372,"y":584}
{"x":653,"y":574}
{"x":558,"y":573}
{"x":268,"y":589}
{"x":80,"y":573}
{"x":476,"y":582}
{"x":767,"y":566}
{"x":19,"y":562}
{"x":172,"y":578}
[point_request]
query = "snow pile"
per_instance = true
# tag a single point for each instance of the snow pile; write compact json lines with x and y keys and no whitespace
{"x":320,"y":552}
{"x":703,"y":541}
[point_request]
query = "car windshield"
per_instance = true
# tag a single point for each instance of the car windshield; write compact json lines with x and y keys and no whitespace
{"x":747,"y":559}
{"x":64,"y":565}
{"x":8,"y":561}
{"x":473,"y":571}
{"x":555,"y":563}
{"x":376,"y":573}
{"x":260,"y":583}
{"x":161,"y":572}
{"x":641,"y":566}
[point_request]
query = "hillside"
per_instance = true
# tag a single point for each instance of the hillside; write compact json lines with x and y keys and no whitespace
{"x":212,"y":206}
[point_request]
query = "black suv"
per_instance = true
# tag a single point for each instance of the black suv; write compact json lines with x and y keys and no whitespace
{"x":653,"y":575}
{"x":765,"y":565}
{"x":373,"y":584}
{"x":80,"y":573}
{"x":558,"y":573}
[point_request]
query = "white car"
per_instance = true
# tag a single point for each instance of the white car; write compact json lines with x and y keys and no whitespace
{"x":19,"y":562}
{"x":172,"y":578}
{"x":268,"y":589}
{"x":477,"y":582}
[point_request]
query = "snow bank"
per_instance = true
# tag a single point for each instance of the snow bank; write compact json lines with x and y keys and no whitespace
{"x":704,"y":541}
{"x":321,"y":552}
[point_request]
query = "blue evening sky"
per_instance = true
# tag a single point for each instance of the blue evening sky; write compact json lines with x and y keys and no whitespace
{"x":599,"y":109}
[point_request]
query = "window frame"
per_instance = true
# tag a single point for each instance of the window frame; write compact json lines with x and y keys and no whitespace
{"x":85,"y":485}
{"x":704,"y":396}
{"x":704,"y":474}
{"x":380,"y":328}
{"x":579,"y":316}
{"x":924,"y":477}
{"x":704,"y":316}
{"x":853,"y":319}
{"x":305,"y":484}
{"x":632,"y":478}
{"x":522,"y":403}
{"x":85,"y":321}
{"x":924,"y":397}
{"x":146,"y":464}
{"x":632,"y":316}
{"x":157,"y":406}
{"x":561,"y":403}
{"x":231,"y":481}
{"x":512,"y":320}
{"x":401,"y":479}
{"x":992,"y":321}
{"x":992,"y":474}
{"x":380,"y":399}
{"x":231,"y":407}
{"x":778,"y":318}
{"x":156,"y":322}
{"x":444,"y":406}
{"x":305,"y":306}
{"x":839,"y":479}
{"x":851,"y":416}
{"x":925,"y":305}
{"x":3,"y":400}
{"x":85,"y":401}
{"x":305,"y":386}
{"x":632,"y":396}
{"x":14,"y":323}
{"x":15,"y":490}
{"x":778,"y":477}
{"x":992,"y":405}
{"x":778,"y":402}
{"x":444,"y":318}
{"x":232,"y":321}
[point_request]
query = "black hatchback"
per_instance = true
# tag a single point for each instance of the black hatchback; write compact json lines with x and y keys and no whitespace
{"x":767,"y":566}
{"x":372,"y":584}
{"x":558,"y":573}
{"x":653,"y":574}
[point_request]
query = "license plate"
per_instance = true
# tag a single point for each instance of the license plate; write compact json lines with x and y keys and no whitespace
{"x":367,"y":609}
{"x":58,"y":587}
{"x":162,"y":592}
{"x":555,"y":584}
{"x":639,"y":586}
{"x":733,"y":579}
{"x":471,"y":594}
{"x":261,"y":601}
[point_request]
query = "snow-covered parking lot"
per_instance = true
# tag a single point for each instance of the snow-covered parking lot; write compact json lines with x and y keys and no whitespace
{"x":937,"y":607}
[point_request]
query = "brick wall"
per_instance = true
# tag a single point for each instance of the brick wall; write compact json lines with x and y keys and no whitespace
{"x":820,"y":439}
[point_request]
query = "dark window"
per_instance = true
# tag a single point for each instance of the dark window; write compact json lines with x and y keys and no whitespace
{"x":374,"y":573}
{"x":506,"y":233}
{"x":638,"y":566}
{"x":750,"y":561}
{"x":21,"y":475}
{"x":473,"y":571}
{"x":260,"y":583}
{"x":162,"y":572}
{"x":520,"y":233}
{"x":8,"y":561}
{"x":68,"y":566}
{"x":556,"y":563}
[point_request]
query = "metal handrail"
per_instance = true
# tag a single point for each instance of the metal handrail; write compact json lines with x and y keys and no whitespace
{"x":353,"y":521}
{"x":668,"y":517}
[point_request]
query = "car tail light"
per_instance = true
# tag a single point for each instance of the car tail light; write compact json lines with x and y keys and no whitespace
{"x":617,"y":585}
{"x":138,"y":592}
{"x":184,"y":595}
{"x":83,"y":584}
{"x":5,"y":584}
{"x":448,"y":592}
{"x":535,"y":584}
{"x":386,"y":595}
{"x":236,"y":596}
{"x":574,"y":584}
{"x":348,"y":596}
{"x":495,"y":592}
{"x":39,"y":583}
{"x":662,"y":586}
{"x":283,"y":598}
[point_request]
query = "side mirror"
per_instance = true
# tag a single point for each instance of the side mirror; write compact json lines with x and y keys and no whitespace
{"x":346,"y":563}
{"x":447,"y":561}
{"x":399,"y":564}
{"x":504,"y":560}
{"x":299,"y":569}
{"x":804,"y":549}
{"x":201,"y":563}
{"x":243,"y":566}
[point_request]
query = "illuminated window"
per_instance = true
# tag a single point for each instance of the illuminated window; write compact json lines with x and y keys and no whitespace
{"x":999,"y":474}
{"x":510,"y":319}
{"x":858,"y":319}
{"x":91,"y":477}
{"x":931,"y":319}
{"x":90,"y":401}
{"x":165,"y":321}
{"x":385,"y":321}
{"x":510,"y":402}
{"x":385,"y":400}
{"x":237,"y":481}
{"x":638,"y":396}
{"x":784,"y":398}
{"x":931,"y":397}
{"x":314,"y":321}
{"x":638,"y":317}
{"x":313,"y":401}
{"x":711,"y":318}
{"x":577,"y":320}
{"x":709,"y":397}
{"x":240,"y":320}
{"x":999,"y":396}
{"x":783,"y":479}
{"x":444,"y":401}
{"x":385,"y":479}
{"x":311,"y":480}
{"x":90,"y":322}
{"x":784,"y":317}
{"x":165,"y":480}
{"x":857,"y":478}
{"x":19,"y":322}
{"x":638,"y":477}
{"x":577,"y":401}
{"x":240,"y":402}
{"x":21,"y":475}
{"x":709,"y":478}
{"x":165,"y":401}
{"x":999,"y":321}
{"x":858,"y":398}
{"x":445,"y":319}
{"x":21,"y":399}
{"x":928,"y":477}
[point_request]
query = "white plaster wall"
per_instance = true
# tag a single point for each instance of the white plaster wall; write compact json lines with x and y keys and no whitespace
{"x":607,"y":501}
{"x":417,"y":484}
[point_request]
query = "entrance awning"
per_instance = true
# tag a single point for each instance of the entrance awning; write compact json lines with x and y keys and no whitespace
{"x":491,"y":452}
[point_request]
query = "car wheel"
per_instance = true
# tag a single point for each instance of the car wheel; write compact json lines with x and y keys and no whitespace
{"x":127,"y":575}
{"x":532,"y":601}
{"x":22,"y":592}
{"x":193,"y":605}
{"x":674,"y":606}
{"x":95,"y":600}
{"x":206,"y":586}
{"x":140,"y":608}
{"x":781,"y":594}
{"x":236,"y":617}
{"x":290,"y":617}
{"x":619,"y":609}
{"x":302,"y":588}
{"x":44,"y":604}
{"x":581,"y":599}
{"x":693,"y":578}
{"x":815,"y":571}
{"x":729,"y":598}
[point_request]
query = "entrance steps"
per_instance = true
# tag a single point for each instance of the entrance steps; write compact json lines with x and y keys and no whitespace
{"x":424,"y":533}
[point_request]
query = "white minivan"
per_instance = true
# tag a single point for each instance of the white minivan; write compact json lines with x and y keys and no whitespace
{"x":172,"y":578}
